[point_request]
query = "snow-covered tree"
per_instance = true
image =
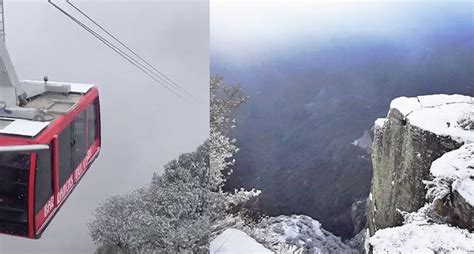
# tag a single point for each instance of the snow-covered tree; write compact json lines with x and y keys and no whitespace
{"x":180,"y":208}
{"x":225,"y":100}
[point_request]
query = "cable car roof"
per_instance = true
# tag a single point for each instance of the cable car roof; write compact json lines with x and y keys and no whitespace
{"x":55,"y":103}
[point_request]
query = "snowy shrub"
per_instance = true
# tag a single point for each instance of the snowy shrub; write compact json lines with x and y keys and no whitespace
{"x":224,"y":102}
{"x":424,"y":215}
{"x":438,"y":189}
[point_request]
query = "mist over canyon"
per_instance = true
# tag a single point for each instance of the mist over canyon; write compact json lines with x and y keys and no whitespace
{"x":312,"y":97}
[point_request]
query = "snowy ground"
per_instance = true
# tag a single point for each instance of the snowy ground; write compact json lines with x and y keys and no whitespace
{"x":423,"y":238}
{"x":233,"y":241}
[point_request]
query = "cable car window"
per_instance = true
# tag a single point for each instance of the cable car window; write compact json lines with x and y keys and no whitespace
{"x":43,"y":179}
{"x":79,"y":139}
{"x":14,"y":168}
{"x":91,"y":124}
{"x":65,"y":155}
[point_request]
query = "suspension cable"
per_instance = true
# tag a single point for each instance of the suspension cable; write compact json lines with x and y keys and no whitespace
{"x":118,"y":51}
{"x":158,"y":73}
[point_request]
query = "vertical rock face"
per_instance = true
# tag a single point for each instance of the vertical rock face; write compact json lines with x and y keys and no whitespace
{"x":416,"y":132}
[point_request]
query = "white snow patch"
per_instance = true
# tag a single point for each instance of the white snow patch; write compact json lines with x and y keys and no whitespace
{"x":438,"y":113}
{"x":233,"y":241}
{"x":419,"y":238}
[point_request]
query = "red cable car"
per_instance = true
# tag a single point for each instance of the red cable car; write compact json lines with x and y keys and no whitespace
{"x":41,"y":162}
{"x":49,"y":137}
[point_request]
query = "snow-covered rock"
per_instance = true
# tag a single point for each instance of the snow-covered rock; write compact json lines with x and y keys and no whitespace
{"x":406,"y":105}
{"x":298,"y":234}
{"x":457,"y":167}
{"x":234,"y":241}
{"x":439,"y":114}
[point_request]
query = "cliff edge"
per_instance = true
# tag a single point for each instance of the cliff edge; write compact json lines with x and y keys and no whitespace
{"x":423,"y":170}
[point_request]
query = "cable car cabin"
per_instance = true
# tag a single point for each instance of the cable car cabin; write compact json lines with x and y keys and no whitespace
{"x":52,"y":156}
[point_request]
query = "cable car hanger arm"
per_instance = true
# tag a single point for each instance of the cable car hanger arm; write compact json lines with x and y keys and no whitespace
{"x":23,"y":148}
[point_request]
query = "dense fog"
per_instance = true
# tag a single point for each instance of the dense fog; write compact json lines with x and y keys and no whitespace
{"x":143,"y":124}
{"x":318,"y":75}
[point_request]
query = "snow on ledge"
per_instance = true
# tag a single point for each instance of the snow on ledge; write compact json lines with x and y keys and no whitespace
{"x":458,"y":167}
{"x":407,"y":105}
{"x":458,"y":163}
{"x":380,"y":122}
{"x":439,"y":114}
{"x":235,"y":241}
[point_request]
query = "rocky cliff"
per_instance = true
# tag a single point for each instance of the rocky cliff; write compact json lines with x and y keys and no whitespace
{"x":423,"y":165}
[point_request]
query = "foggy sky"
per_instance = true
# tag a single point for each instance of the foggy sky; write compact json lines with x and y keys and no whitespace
{"x":248,"y":32}
{"x":143,"y":125}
